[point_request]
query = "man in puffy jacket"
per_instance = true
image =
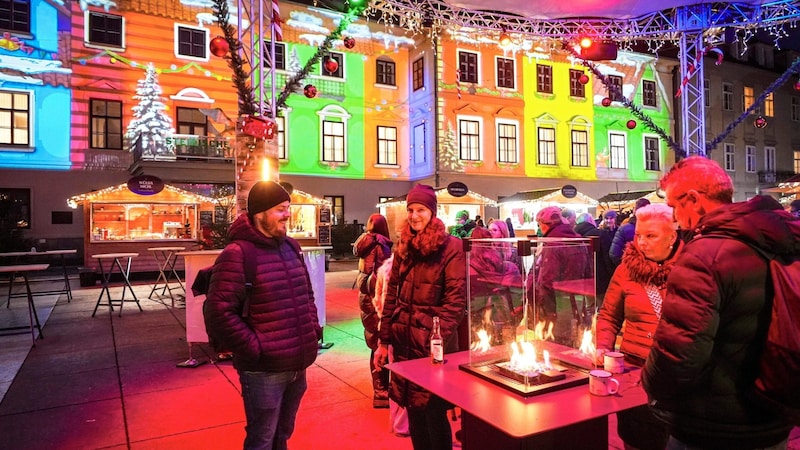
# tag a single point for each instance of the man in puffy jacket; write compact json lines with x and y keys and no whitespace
{"x":715,"y":314}
{"x":273,"y":336}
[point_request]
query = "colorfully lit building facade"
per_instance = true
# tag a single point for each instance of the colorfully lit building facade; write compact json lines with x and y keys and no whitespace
{"x":398,"y":110}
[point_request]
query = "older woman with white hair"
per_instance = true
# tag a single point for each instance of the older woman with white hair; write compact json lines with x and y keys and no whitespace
{"x":634,"y":298}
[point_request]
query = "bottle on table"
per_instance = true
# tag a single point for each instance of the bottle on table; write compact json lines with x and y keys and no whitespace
{"x":437,"y":344}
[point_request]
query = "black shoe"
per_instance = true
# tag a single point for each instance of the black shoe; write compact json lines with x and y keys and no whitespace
{"x":380,"y":403}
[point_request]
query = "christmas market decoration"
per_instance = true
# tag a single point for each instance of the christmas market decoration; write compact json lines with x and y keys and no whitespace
{"x":583,"y":79}
{"x":760,"y":122}
{"x":331,"y":65}
{"x":259,"y":127}
{"x":247,"y":101}
{"x":631,"y":124}
{"x":310,"y":91}
{"x":797,"y":86}
{"x":606,"y":102}
{"x":219,"y":47}
{"x":349,"y":42}
{"x":150,"y":125}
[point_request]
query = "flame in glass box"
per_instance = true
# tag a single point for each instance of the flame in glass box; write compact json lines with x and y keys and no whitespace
{"x":524,"y":358}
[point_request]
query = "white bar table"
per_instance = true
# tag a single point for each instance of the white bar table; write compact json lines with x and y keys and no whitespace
{"x":115,"y":259}
{"x":22,"y":270}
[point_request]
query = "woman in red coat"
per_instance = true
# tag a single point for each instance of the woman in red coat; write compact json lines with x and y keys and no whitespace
{"x":634,"y":298}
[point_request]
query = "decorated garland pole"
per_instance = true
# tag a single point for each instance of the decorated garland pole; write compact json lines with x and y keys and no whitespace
{"x":635,"y":110}
{"x":293,"y":84}
{"x":793,"y":69}
{"x":247,"y":103}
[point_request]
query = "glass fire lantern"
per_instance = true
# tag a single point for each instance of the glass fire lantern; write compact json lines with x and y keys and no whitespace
{"x":531,"y":306}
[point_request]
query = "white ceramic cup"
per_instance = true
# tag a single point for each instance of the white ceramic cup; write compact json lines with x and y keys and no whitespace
{"x":614,"y":362}
{"x":602,"y":383}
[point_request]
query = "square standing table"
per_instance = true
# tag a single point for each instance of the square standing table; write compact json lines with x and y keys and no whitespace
{"x":115,"y":259}
{"x":166,"y":258}
{"x":20,"y":256}
{"x":22,"y":270}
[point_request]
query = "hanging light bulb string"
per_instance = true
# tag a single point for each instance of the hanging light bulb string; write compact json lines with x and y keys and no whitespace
{"x":793,"y":69}
{"x":635,"y":110}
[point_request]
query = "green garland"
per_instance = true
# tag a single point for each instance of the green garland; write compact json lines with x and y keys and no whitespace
{"x":247,"y":102}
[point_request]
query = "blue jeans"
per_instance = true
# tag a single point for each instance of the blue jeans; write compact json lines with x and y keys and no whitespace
{"x":675,"y":444}
{"x":271,"y":401}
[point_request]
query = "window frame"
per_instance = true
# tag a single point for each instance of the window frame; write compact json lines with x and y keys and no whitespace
{"x":546,"y":148}
{"x":195,"y":32}
{"x":544,"y":79}
{"x":473,"y":151}
{"x":280,"y":137}
{"x":334,"y":144}
{"x":729,"y":157}
{"x":386,"y":145}
{"x":649,"y":93}
{"x":106,"y":119}
{"x":727,"y":96}
{"x":617,"y":154}
{"x":652,"y":153}
{"x":195,"y":114}
{"x":576,"y":88}
{"x":418,"y":74}
{"x":339,"y":72}
{"x":88,"y":30}
{"x":502,"y":69}
{"x":615,"y":80}
{"x":16,"y":26}
{"x":468,"y":71}
{"x":579,"y":151}
{"x":507,"y":146}
{"x":769,"y":158}
{"x":280,"y":55}
{"x":385,"y":72}
{"x":13,"y":111}
{"x":795,"y":109}
{"x":22,"y":198}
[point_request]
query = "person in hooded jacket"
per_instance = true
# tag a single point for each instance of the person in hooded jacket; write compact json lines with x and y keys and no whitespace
{"x":428,"y":280}
{"x":716,"y":312}
{"x":276,"y":337}
{"x":373,"y":247}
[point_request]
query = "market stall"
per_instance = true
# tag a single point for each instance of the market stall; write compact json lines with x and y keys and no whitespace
{"x":119,"y":220}
{"x":449,"y":205}
{"x":310,"y":223}
{"x":523,"y":206}
{"x":625,"y":201}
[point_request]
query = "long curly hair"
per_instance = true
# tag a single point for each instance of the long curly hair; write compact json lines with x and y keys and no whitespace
{"x":424,"y":243}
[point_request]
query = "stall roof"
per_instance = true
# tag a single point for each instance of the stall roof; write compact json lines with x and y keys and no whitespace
{"x":75,"y":200}
{"x":551,"y":195}
{"x":788,"y":186}
{"x":621,"y":200}
{"x":442,"y":196}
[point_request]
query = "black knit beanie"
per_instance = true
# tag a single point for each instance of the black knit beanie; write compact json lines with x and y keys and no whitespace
{"x":265,"y":195}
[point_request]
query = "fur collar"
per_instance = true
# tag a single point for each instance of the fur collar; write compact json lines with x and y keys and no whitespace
{"x":645,"y":271}
{"x":422,"y":244}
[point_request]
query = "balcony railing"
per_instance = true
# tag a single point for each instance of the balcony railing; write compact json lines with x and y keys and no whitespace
{"x":184,"y":147}
{"x":773,"y":177}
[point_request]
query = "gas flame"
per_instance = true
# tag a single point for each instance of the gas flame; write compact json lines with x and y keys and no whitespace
{"x":587,"y":344}
{"x":483,"y":343}
{"x":524,"y":359}
{"x":544,"y":330}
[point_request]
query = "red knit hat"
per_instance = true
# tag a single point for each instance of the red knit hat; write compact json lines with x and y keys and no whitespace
{"x":424,"y":195}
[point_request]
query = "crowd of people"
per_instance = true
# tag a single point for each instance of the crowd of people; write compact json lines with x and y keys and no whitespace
{"x":671,"y":296}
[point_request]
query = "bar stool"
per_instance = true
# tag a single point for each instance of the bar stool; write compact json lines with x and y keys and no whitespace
{"x":166,"y":257}
{"x":105,"y":277}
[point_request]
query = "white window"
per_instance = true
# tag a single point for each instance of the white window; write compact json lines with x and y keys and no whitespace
{"x":729,"y":154}
{"x":191,"y":42}
{"x":727,"y":96}
{"x":507,"y":141}
{"x":618,"y":151}
{"x":748,"y":97}
{"x":769,"y":159}
{"x":769,"y":105}
{"x":795,"y":109}
{"x":15,"y":118}
{"x":469,"y":138}
{"x":104,"y":30}
{"x":652,"y":153}
{"x":580,"y":148}
{"x":796,"y":161}
{"x":387,"y":145}
{"x":333,"y":125}
{"x":750,"y":158}
{"x":281,"y":138}
{"x":547,"y":146}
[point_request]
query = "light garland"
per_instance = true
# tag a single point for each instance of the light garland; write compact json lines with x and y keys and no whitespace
{"x":115,"y":57}
{"x":75,"y":200}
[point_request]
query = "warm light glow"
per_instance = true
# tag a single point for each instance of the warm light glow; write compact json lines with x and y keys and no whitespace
{"x":505,"y":39}
{"x":587,"y":344}
{"x":586,"y":42}
{"x":266,"y":171}
{"x":544,"y":331}
{"x":524,"y":359}
{"x":483,"y":343}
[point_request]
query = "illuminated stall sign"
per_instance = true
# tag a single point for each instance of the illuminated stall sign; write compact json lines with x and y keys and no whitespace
{"x":145,"y":185}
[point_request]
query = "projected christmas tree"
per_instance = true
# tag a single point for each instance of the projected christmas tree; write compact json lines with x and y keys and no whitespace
{"x":150,"y":124}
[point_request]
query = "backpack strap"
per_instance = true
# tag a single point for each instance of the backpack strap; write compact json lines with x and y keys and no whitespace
{"x":250,"y":268}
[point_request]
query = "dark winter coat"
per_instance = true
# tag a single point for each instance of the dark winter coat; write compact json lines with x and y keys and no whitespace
{"x":282,"y":330}
{"x":604,"y":267}
{"x":627,"y":302}
{"x":428,"y":279}
{"x":372,"y":249}
{"x":623,"y":235}
{"x":714,"y":319}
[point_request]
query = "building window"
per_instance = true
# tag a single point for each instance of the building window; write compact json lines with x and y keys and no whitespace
{"x":280,"y":55}
{"x":747,"y":97}
{"x":796,"y":161}
{"x":618,"y":151}
{"x":652,"y":155}
{"x":333,"y":149}
{"x":385,"y":71}
{"x":387,"y":145}
{"x":418,"y":73}
{"x":727,"y":96}
{"x":337,"y":208}
{"x":191,"y":42}
{"x":750,"y":158}
{"x":468,"y":67}
{"x":580,"y":148}
{"x":16,"y":207}
{"x":507,"y":143}
{"x":505,"y":73}
{"x":544,"y":79}
{"x":707,"y":93}
{"x":469,"y":138}
{"x":769,"y":105}
{"x":15,"y":16}
{"x":191,"y":121}
{"x":105,"y":124}
{"x":15,"y":118}
{"x":547,"y":146}
{"x":105,"y":30}
{"x":649,"y":93}
{"x":339,"y":72}
{"x":615,"y":88}
{"x":576,"y":88}
{"x":795,"y":109}
{"x":281,"y":138}
{"x":419,"y":155}
{"x":729,"y":156}
{"x":769,"y":159}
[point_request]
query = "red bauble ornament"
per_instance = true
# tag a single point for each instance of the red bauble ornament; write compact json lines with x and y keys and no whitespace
{"x":219,"y":46}
{"x":349,"y":42}
{"x":797,"y":86}
{"x":259,"y":127}
{"x":631,"y":124}
{"x":583,"y":79}
{"x":330,"y":65}
{"x":310,"y":91}
{"x":606,"y":101}
{"x":760,"y":122}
